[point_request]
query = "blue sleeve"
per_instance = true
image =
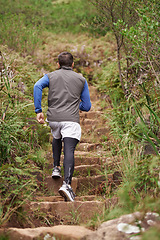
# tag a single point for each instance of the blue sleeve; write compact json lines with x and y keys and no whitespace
{"x":85,"y":103}
{"x":37,"y":93}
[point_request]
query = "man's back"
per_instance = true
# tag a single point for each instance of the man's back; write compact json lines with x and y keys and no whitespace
{"x":65,"y":87}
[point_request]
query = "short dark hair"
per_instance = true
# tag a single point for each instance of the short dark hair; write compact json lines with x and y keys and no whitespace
{"x":65,"y":59}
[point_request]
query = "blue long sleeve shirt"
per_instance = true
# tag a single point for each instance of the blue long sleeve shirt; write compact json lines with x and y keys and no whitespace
{"x":85,"y":103}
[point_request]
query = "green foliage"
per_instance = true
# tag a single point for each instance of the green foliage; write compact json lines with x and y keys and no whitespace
{"x":143,"y":47}
{"x":135,"y":25}
{"x":108,"y":80}
{"x":38,"y":158}
{"x":140,"y":177}
{"x":149,"y":129}
{"x":19,"y":137}
{"x":67,"y":17}
{"x":135,"y":131}
{"x":109,"y":13}
{"x":152,"y":233}
{"x":17,"y":185}
{"x":149,"y":169}
{"x":10,"y":144}
{"x":123,"y":120}
{"x":16,"y":140}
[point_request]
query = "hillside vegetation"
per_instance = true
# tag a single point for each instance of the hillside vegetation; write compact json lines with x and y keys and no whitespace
{"x":116,"y":47}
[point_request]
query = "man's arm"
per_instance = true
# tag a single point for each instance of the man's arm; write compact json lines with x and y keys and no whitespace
{"x":85,"y":103}
{"x":38,"y":87}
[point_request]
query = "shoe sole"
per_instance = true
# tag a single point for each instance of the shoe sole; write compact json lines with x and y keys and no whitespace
{"x":56,"y":176}
{"x":65,"y":196}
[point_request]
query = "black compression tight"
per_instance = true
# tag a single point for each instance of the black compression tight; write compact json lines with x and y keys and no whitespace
{"x":68,"y":163}
{"x":57,"y":149}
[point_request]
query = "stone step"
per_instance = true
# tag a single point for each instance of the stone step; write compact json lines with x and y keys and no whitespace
{"x":88,"y":140}
{"x":112,"y":181}
{"x":84,"y":149}
{"x":88,"y":146}
{"x":88,"y":122}
{"x":84,"y":154}
{"x":87,"y":170}
{"x":76,"y":212}
{"x":85,"y":160}
{"x":86,"y":157}
{"x":95,"y":131}
{"x":86,"y":164}
{"x":94,"y":95}
{"x":84,"y":185}
{"x":102,"y":131}
{"x":59,"y":232}
{"x":90,"y":115}
{"x":53,"y":185}
{"x":80,"y":185}
{"x":79,"y":160}
{"x":84,"y":167}
{"x":60,"y":198}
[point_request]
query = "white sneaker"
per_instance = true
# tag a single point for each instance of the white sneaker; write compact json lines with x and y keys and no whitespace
{"x":67,"y":192}
{"x":56,"y":172}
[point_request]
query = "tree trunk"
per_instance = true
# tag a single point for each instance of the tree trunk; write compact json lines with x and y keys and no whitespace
{"x":119,"y":68}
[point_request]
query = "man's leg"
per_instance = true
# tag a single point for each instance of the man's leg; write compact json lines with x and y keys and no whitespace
{"x":56,"y":148}
{"x":71,"y":134}
{"x":69,"y":148}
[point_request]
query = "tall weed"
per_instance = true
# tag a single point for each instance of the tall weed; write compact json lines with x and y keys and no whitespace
{"x":139,"y":167}
{"x":11,"y":125}
{"x":18,"y":139}
{"x":149,"y":127}
{"x":17,"y":185}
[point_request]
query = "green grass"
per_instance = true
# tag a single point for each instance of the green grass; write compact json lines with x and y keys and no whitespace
{"x":54,"y":15}
{"x":23,"y":22}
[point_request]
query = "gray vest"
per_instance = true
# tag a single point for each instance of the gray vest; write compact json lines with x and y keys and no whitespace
{"x":65,"y":87}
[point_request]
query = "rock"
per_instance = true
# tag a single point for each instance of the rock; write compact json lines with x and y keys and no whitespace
{"x":60,"y":232}
{"x":109,"y":233}
{"x":129,"y":218}
{"x":125,"y":227}
{"x":128,"y":228}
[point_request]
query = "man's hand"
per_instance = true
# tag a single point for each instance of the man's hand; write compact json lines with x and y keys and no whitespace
{"x":40,"y":118}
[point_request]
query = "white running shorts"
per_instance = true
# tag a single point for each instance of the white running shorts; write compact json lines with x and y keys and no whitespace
{"x":65,"y":129}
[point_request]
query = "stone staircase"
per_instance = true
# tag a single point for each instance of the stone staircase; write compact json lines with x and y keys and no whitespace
{"x":88,"y":183}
